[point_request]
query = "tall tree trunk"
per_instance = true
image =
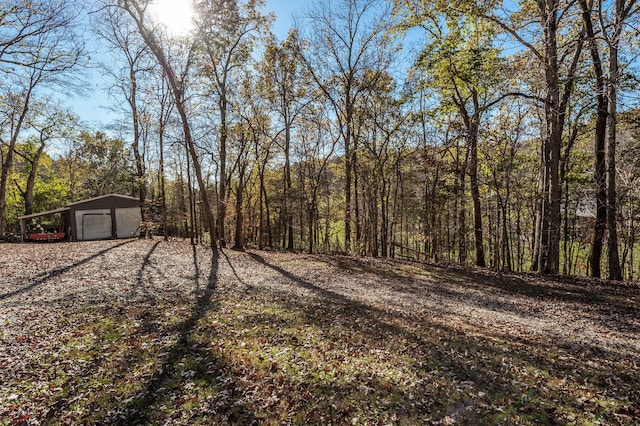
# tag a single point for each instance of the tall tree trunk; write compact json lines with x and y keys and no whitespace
{"x":462,"y":215}
{"x":191,"y":228}
{"x":29,"y":196}
{"x":310,"y":214}
{"x":472,"y":141}
{"x":384,"y":208}
{"x":537,"y":235}
{"x":8,"y":159}
{"x":288,"y":209}
{"x":507,"y":263}
{"x":551,"y":218}
{"x":615,"y":272}
{"x":357,"y":198}
{"x":163,"y":191}
{"x":555,"y":110}
{"x":222,"y":175}
{"x":472,"y":122}
{"x":601,"y":192}
{"x":347,"y":197}
{"x":239,"y":237}
{"x":267,"y":214}
{"x":261,"y":210}
{"x":348,"y":172}
{"x":140,"y":172}
{"x":182,"y":206}
{"x":556,"y":106}
{"x":597,"y":239}
{"x":137,"y":12}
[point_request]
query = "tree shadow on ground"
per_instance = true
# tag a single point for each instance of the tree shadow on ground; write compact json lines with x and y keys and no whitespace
{"x":461,"y":375}
{"x":157,"y":354}
{"x":329,"y":294}
{"x":609,"y":303}
{"x":317,"y":352}
{"x":46,"y":276}
{"x":146,"y":262}
{"x":190,"y":362}
{"x":234,"y":270}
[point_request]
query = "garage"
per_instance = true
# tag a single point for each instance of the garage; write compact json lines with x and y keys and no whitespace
{"x":106,"y":217}
{"x":93,"y":224}
{"x":100,"y":218}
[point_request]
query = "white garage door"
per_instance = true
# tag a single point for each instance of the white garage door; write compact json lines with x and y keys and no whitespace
{"x":128,"y":222}
{"x":93,"y":224}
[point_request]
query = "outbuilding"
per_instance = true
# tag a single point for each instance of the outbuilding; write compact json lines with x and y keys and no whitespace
{"x":100,"y":218}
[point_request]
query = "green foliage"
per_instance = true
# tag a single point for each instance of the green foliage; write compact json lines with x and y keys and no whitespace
{"x":460,"y":58}
{"x":96,"y":165}
{"x":99,"y":165}
{"x":50,"y":190}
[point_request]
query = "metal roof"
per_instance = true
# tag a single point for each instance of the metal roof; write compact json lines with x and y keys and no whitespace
{"x":101,"y":197}
{"x":30,"y":216}
{"x":68,"y":206}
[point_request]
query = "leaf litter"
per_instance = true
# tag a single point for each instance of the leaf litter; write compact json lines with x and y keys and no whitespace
{"x":155,"y":332}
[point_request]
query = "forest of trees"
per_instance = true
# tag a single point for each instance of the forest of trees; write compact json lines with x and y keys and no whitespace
{"x":488,"y":133}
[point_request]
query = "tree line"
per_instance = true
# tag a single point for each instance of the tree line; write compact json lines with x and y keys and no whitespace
{"x":502,"y":135}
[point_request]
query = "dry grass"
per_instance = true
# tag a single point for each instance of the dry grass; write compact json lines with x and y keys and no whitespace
{"x":150,"y":332}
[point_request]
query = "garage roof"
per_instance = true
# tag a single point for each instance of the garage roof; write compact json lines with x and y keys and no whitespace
{"x":67,"y":208}
{"x":126,"y":197}
{"x":30,"y":216}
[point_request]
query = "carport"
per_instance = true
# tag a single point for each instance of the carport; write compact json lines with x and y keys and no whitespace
{"x":106,"y":217}
{"x":63,"y":222}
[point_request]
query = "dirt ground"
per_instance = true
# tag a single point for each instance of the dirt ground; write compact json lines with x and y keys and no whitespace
{"x":155,"y":332}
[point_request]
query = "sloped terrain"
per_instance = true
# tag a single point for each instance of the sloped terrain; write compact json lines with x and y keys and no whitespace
{"x":154,"y":332}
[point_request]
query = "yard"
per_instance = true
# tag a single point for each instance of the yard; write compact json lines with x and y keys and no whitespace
{"x":154,"y":332}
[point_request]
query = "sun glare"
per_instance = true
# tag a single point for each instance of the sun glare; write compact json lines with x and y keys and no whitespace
{"x":176,"y":15}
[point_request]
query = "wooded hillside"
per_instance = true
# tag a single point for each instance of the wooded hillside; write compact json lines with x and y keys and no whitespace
{"x":475,"y":133}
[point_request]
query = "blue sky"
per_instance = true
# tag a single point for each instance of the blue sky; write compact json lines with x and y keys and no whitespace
{"x":284,"y":10}
{"x":93,"y":106}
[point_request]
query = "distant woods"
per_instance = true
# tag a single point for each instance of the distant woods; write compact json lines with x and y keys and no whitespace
{"x":468,"y":133}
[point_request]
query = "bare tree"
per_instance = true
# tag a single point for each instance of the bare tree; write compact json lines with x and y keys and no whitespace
{"x":227,"y":36}
{"x":151,"y":34}
{"x":287,"y":87}
{"x":53,"y":122}
{"x":38,"y":44}
{"x":346,"y":49}
{"x":552,"y":37}
{"x":124,"y":40}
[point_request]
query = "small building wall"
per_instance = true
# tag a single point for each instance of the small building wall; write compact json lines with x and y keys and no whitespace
{"x":105,"y":217}
{"x":109,"y":216}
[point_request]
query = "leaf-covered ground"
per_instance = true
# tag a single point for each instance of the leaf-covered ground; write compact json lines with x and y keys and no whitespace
{"x":150,"y":332}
